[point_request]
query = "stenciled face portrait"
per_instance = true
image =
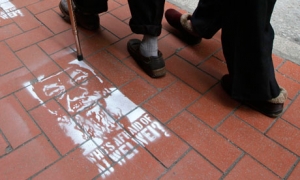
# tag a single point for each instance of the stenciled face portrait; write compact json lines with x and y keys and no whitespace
{"x":97,"y":111}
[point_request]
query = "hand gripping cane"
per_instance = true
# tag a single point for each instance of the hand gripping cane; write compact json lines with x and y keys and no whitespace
{"x":74,"y":28}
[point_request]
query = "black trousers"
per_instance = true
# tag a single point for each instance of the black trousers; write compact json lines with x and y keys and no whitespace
{"x":247,"y":41}
{"x":146,"y":14}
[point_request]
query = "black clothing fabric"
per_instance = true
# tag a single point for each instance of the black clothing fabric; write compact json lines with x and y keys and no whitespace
{"x":146,"y":14}
{"x":247,"y":41}
{"x":91,"y":6}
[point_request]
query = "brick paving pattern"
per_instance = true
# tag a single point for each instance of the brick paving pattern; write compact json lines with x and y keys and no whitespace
{"x":104,"y":118}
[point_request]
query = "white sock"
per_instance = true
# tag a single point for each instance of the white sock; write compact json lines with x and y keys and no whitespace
{"x":149,"y":46}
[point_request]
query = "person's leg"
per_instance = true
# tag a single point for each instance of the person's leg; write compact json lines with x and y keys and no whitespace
{"x":146,"y":16}
{"x":146,"y":20}
{"x":205,"y":21}
{"x":207,"y":18}
{"x":247,"y":38}
{"x":86,"y":12}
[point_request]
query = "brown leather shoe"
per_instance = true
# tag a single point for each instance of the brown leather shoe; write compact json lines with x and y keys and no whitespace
{"x":153,"y":66}
{"x":87,"y":21}
{"x":181,"y":23}
{"x":272,"y":108}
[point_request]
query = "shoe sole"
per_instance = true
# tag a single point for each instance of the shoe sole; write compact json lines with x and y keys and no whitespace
{"x":265,"y":112}
{"x":158,"y":73}
{"x":152,"y":73}
{"x":269,"y":114}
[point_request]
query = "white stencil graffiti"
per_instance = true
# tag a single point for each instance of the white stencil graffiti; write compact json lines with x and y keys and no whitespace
{"x":99,"y":112}
{"x":9,"y":10}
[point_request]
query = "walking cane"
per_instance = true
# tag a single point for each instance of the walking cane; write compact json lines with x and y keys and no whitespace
{"x":74,"y":28}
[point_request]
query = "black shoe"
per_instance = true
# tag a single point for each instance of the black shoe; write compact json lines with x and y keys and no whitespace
{"x":272,"y":108}
{"x":153,"y":66}
{"x":85,"y":20}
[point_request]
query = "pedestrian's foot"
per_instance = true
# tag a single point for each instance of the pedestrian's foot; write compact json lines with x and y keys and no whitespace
{"x":272,"y":108}
{"x":182,"y":23}
{"x":154,"y":66}
{"x":85,"y":20}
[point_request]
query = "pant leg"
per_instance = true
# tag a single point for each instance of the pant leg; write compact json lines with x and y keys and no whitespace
{"x":247,"y":39}
{"x":91,"y":6}
{"x":146,"y":16}
{"x":207,"y":18}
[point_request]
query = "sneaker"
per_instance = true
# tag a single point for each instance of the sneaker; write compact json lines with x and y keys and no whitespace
{"x":153,"y":66}
{"x":182,"y":23}
{"x":85,"y":20}
{"x":272,"y":108}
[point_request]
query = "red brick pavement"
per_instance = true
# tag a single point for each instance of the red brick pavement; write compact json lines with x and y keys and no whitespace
{"x":104,"y":118}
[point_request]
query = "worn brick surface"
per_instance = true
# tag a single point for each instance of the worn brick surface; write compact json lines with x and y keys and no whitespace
{"x":105,"y":118}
